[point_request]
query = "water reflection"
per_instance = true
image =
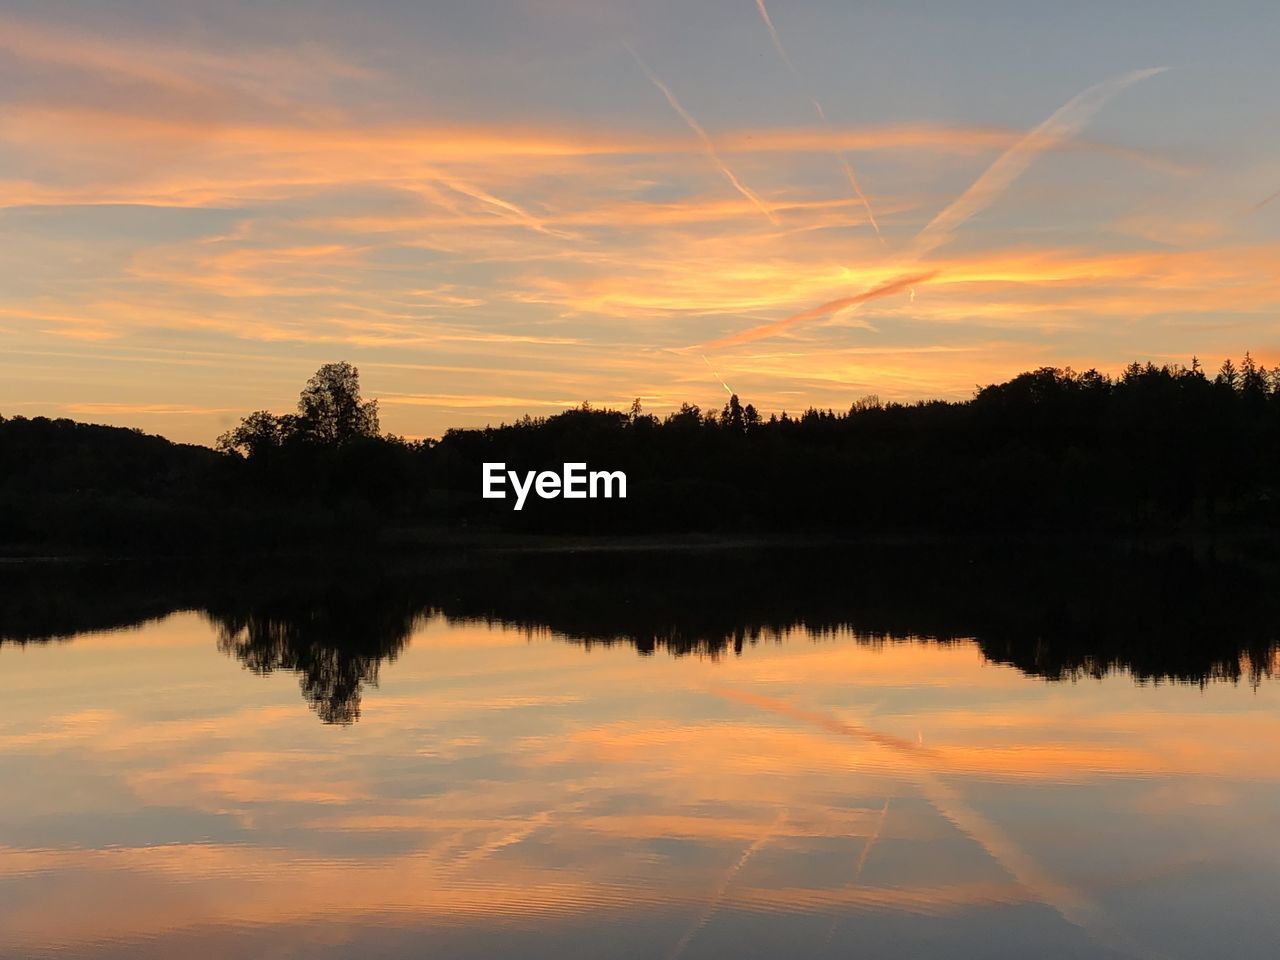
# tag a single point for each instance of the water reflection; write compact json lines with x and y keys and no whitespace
{"x":522,"y":783}
{"x":1163,"y":617}
{"x":335,"y":643}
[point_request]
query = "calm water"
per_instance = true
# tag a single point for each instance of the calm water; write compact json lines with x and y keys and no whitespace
{"x":388,"y":781}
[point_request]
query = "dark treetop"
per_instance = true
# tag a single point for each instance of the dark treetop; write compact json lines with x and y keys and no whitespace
{"x":1159,"y":451}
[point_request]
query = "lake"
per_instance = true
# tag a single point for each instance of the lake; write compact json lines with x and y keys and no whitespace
{"x":706,"y":757}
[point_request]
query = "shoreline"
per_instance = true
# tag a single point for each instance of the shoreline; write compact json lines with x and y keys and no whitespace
{"x":426,"y":544}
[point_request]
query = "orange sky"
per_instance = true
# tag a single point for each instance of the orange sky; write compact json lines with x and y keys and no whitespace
{"x":493,"y":218}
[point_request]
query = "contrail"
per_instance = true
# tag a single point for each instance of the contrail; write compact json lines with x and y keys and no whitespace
{"x":896,"y":285}
{"x":716,"y":375}
{"x":777,"y":42}
{"x":723,"y":887}
{"x":526,"y":829}
{"x":862,"y":862}
{"x":871,"y":841}
{"x":1063,"y":123}
{"x":710,"y":147}
{"x":520,"y":214}
{"x":822,"y":115}
{"x":915,"y":762}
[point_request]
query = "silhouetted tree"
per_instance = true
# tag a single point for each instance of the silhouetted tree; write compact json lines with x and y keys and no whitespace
{"x":732,"y":416}
{"x":331,"y":411}
{"x":1227,"y":375}
{"x":259,"y":434}
{"x":1253,"y":382}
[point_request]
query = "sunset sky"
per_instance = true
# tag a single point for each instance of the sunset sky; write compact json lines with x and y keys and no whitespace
{"x":503,"y":207}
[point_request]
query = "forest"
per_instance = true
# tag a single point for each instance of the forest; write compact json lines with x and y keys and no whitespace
{"x":1158,"y":451}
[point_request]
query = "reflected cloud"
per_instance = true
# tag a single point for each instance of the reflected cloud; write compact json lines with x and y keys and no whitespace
{"x":676,"y":756}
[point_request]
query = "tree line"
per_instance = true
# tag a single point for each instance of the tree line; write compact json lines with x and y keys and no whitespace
{"x":1160,"y":449}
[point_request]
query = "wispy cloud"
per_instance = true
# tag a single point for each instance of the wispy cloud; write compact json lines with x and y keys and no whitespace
{"x":710,"y":147}
{"x":822,"y":115}
{"x":897,"y":285}
{"x":167,"y":409}
{"x":995,"y":180}
{"x":281,"y":195}
{"x":1063,"y":123}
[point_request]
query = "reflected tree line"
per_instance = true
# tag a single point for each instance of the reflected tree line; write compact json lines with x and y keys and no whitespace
{"x":1166,"y":617}
{"x":335,"y":643}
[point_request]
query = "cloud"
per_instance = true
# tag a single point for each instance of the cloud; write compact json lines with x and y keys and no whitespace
{"x":845,"y":166}
{"x":708,"y":146}
{"x":165,"y":197}
{"x":177,"y":79}
{"x":1062,"y":124}
{"x":897,"y":285}
{"x":168,"y":409}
